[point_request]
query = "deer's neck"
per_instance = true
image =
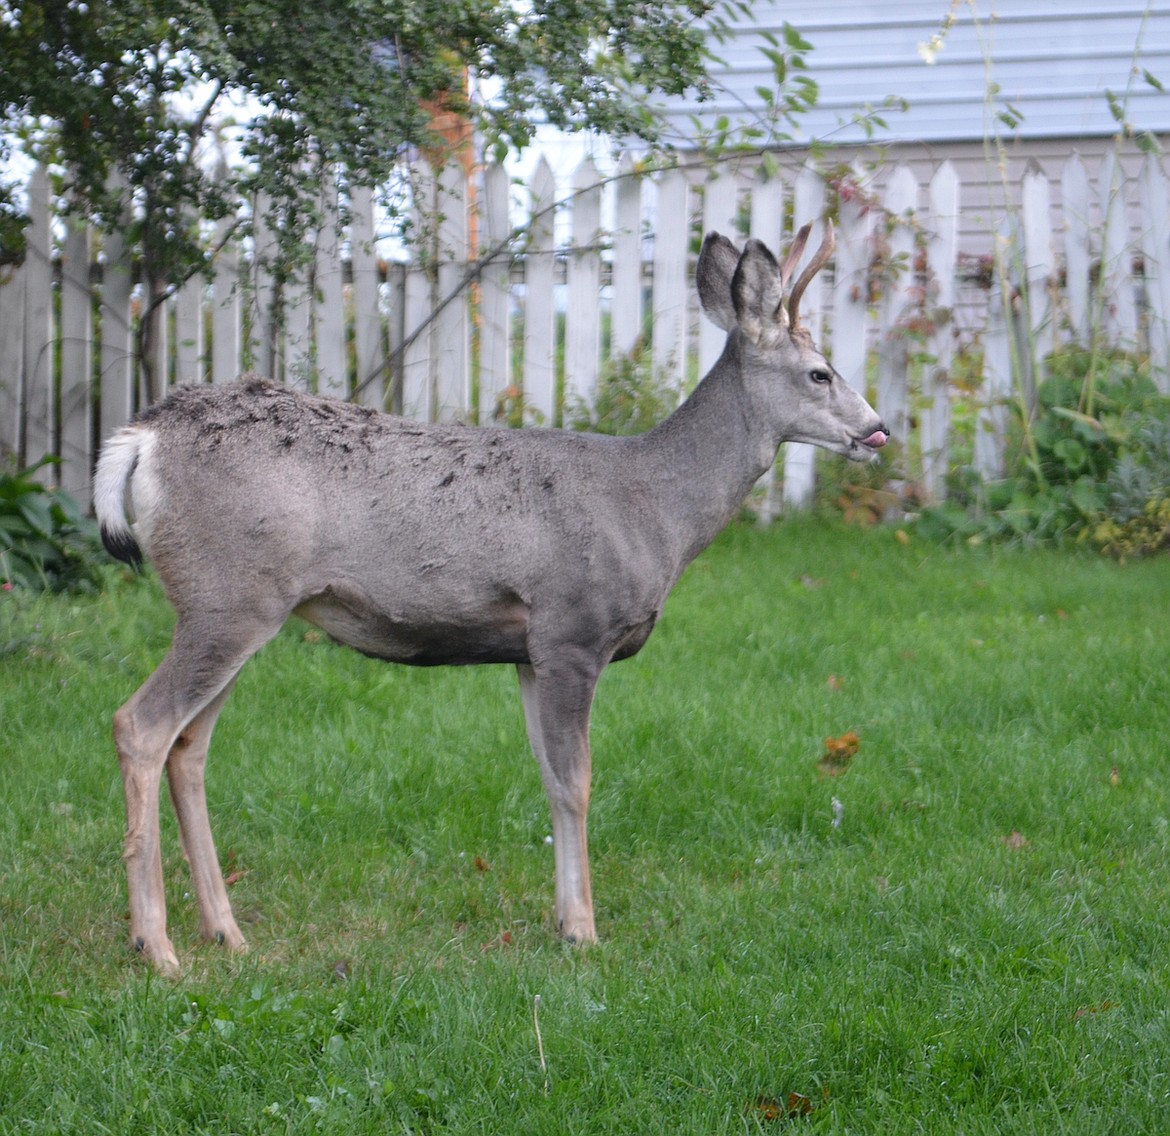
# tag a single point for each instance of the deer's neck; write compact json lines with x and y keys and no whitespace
{"x":710,"y":452}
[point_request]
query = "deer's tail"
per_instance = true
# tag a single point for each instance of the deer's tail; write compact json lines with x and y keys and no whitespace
{"x":119,"y":459}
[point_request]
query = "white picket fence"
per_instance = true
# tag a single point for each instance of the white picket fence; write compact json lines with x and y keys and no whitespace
{"x":602,"y":260}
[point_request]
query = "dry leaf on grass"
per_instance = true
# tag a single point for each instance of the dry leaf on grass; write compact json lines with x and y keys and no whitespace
{"x":1016,"y":840}
{"x":772,"y":1108}
{"x":839,"y":752}
{"x":504,"y":939}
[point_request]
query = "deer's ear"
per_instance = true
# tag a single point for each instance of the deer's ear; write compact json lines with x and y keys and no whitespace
{"x":716,"y":270}
{"x":757,"y":291}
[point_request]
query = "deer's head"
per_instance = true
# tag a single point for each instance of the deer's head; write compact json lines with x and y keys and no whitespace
{"x":780,"y":366}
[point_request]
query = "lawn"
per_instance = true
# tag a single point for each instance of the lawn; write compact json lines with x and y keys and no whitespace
{"x":965,"y":930}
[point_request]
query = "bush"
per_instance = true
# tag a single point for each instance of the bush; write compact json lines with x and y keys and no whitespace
{"x":631,"y":398}
{"x":1136,"y":518}
{"x":1075,"y":460}
{"x":46,"y":542}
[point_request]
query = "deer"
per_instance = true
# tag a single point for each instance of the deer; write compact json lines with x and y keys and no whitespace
{"x":440,"y":544}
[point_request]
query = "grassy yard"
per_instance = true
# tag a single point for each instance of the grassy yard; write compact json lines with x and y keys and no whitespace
{"x":979,"y":944}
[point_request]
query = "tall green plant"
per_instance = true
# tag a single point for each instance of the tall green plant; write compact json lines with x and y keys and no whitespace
{"x":46,"y":542}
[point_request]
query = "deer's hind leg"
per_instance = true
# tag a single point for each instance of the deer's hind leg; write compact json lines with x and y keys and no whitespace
{"x":185,"y":693}
{"x":185,"y":768}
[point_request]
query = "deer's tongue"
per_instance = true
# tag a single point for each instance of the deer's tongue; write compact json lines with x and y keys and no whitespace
{"x":877,"y":439}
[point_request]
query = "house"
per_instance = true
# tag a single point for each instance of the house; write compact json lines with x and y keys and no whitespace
{"x":988,"y":86}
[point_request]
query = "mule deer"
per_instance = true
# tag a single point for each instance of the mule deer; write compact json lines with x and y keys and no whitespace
{"x":429,"y":544}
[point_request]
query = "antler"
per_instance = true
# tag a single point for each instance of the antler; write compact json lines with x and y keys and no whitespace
{"x":811,"y":269}
{"x":798,"y":243}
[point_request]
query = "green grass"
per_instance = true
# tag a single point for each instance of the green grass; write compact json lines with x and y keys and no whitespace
{"x":916,"y":969}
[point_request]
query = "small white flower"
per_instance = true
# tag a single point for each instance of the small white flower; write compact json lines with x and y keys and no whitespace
{"x":838,"y":812}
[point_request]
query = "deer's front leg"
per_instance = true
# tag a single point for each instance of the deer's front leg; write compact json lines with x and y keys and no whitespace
{"x":556,"y":712}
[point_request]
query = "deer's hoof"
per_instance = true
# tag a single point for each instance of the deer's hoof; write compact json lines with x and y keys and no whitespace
{"x":160,"y":956}
{"x":579,"y":932}
{"x":228,"y":937}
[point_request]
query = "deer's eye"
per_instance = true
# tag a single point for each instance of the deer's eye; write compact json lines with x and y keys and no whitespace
{"x":820,"y":376}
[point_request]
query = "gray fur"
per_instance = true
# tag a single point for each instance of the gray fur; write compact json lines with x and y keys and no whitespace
{"x":437,"y":544}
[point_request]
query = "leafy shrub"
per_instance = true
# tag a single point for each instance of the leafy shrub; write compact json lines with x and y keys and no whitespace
{"x":1091,"y":420}
{"x":631,"y":398}
{"x":1136,"y":519}
{"x":46,"y":542}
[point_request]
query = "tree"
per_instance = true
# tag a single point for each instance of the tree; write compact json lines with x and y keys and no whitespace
{"x":131,"y":97}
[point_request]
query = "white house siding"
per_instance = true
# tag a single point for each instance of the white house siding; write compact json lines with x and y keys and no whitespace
{"x":1053,"y":61}
{"x":989,"y":177}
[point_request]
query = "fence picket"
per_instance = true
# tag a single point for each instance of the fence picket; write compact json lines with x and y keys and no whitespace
{"x":40,"y":422}
{"x":893,"y":395}
{"x":540,"y":300}
{"x":626,"y":292}
{"x":451,"y":369}
{"x":851,"y":305}
{"x":808,"y":203}
{"x":263,"y":354}
{"x":583,"y":309}
{"x":1119,"y":314}
{"x":369,"y":355}
{"x":1039,"y":270}
{"x":189,"y":331}
{"x":767,"y":225}
{"x":328,"y":300}
{"x":1074,"y":190}
{"x":495,"y":306}
{"x":76,"y":378}
{"x":117,"y":344}
{"x":1154,"y":196}
{"x":720,"y":201}
{"x":12,"y":294}
{"x":942,"y":251}
{"x":669,"y":305}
